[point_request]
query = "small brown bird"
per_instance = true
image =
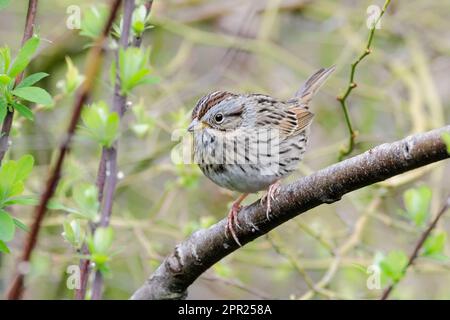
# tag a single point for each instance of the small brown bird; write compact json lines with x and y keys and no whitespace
{"x":249,"y":142}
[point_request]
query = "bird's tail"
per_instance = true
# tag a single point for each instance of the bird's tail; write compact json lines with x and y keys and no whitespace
{"x":313,"y":84}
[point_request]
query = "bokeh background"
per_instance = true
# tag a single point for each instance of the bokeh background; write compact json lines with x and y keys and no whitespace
{"x":271,"y":47}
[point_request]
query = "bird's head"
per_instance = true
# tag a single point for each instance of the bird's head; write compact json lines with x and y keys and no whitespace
{"x":219,"y":110}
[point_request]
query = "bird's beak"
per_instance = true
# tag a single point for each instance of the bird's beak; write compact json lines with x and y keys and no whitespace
{"x":196,"y":125}
{"x":193,"y":125}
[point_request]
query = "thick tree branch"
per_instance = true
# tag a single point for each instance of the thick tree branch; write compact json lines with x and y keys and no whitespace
{"x":205,"y":247}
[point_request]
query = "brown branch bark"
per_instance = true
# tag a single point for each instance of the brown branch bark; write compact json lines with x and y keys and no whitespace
{"x":206,"y":247}
{"x":7,"y":122}
{"x":92,"y":66}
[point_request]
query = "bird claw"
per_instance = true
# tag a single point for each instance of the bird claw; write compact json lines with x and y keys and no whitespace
{"x":231,"y":221}
{"x":274,"y":189}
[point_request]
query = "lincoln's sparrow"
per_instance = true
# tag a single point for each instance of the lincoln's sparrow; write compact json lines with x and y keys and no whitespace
{"x":248,"y":142}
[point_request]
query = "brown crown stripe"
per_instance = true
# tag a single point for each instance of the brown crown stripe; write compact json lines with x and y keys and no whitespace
{"x":208,"y":101}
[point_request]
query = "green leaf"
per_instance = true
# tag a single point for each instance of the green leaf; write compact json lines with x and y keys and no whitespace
{"x":149,"y":80}
{"x":417,"y":202}
{"x":111,"y":129}
{"x":24,"y":56}
{"x":32,"y":79}
{"x":5,"y":79}
{"x":100,"y":124}
{"x":394,"y":264}
{"x":446,"y":138}
{"x":33,"y":94}
{"x":68,"y":233}
{"x":73,"y":77}
{"x":103,"y":238}
{"x":86,"y":197}
{"x":22,"y":200}
{"x":5,"y":59}
{"x":24,"y":167}
{"x":23,"y":110}
{"x":3,"y":109}
{"x":3,"y":247}
{"x":134,"y":69}
{"x":435,"y":244}
{"x":74,"y":233}
{"x":93,"y":22}
{"x":21,"y":225}
{"x":7,"y":178}
{"x":12,"y":175}
{"x":7,"y":226}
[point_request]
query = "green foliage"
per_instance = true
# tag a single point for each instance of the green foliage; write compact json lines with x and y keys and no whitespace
{"x":7,"y":226}
{"x":33,"y":94}
{"x":24,"y":56}
{"x":3,"y":247}
{"x":12,"y":177}
{"x":134,"y":69}
{"x":86,"y":197}
{"x":85,"y":203}
{"x":23,"y":110}
{"x":93,"y":21}
{"x":12,"y":180}
{"x":446,"y":138}
{"x":100,"y":247}
{"x":100,"y":124}
{"x":434,"y":245}
{"x":73,"y":78}
{"x":417,"y":203}
{"x":74,"y":233}
{"x":32,"y":79}
{"x":393,"y":265}
{"x":140,"y":21}
{"x":10,"y":95}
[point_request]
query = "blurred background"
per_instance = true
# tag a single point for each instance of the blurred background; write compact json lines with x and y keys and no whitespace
{"x":260,"y":46}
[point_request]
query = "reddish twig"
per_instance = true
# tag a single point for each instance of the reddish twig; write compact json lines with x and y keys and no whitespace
{"x":7,"y":122}
{"x":418,"y":247}
{"x":92,"y":66}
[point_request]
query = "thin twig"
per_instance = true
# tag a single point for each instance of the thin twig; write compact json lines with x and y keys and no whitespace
{"x":418,"y":247}
{"x":204,"y":248}
{"x":137,"y":40}
{"x":352,"y":85}
{"x":109,"y":155}
{"x":92,"y":66}
{"x":108,"y":160}
{"x":7,"y":122}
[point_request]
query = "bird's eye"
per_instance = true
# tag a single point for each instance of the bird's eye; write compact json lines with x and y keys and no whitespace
{"x":218,"y":118}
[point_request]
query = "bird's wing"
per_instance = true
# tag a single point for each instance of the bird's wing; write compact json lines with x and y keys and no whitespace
{"x":289,"y":117}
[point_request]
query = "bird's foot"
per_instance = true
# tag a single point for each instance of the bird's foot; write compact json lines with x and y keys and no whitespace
{"x":273,"y":190}
{"x":232,"y":222}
